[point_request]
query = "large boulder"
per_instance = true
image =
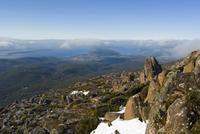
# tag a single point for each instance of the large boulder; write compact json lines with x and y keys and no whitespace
{"x":177,"y":118}
{"x":111,"y":116}
{"x":133,"y":107}
{"x":151,"y":69}
{"x":189,"y":67}
{"x":155,"y":114}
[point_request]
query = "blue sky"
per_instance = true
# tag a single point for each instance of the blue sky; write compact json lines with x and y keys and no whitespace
{"x":102,"y":19}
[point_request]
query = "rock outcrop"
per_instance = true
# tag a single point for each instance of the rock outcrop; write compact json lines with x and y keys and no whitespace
{"x":152,"y":91}
{"x":110,"y":116}
{"x":162,"y":77}
{"x":151,"y":69}
{"x":173,"y":96}
{"x":197,"y":66}
{"x":124,"y":82}
{"x":173,"y":109}
{"x":189,"y":67}
{"x":135,"y":108}
{"x":132,"y":108}
{"x":177,"y":117}
{"x":168,"y":98}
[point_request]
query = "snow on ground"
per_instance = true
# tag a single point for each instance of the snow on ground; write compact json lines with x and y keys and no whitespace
{"x":134,"y":126}
{"x":80,"y":92}
{"x":122,"y":110}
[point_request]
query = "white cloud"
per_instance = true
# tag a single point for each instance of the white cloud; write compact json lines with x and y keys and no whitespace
{"x":69,"y":44}
{"x":185,"y":47}
{"x":168,"y":48}
{"x":5,"y":44}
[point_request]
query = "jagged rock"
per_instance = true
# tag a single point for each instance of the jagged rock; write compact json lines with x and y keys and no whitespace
{"x":168,"y":102}
{"x":169,"y":111}
{"x":39,"y":130}
{"x":177,"y":118}
{"x":151,"y":68}
{"x":189,"y":67}
{"x":197,"y":66}
{"x":153,"y":121}
{"x":133,"y":107}
{"x":180,"y":64}
{"x":162,"y":77}
{"x":142,"y":78}
{"x":110,"y":116}
{"x":152,"y":92}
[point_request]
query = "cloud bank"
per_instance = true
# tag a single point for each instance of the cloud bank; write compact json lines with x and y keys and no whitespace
{"x":167,"y":48}
{"x":185,"y":47}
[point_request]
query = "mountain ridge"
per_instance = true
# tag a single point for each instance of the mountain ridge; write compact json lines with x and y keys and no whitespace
{"x":168,"y":99}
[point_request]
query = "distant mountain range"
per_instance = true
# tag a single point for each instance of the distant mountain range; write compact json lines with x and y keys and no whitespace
{"x":29,"y":67}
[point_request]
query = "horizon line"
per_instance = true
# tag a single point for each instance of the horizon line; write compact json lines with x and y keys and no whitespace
{"x":103,"y":39}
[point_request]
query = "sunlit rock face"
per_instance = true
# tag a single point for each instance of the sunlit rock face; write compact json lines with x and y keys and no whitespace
{"x":151,"y":69}
{"x":175,"y":108}
{"x":133,"y":107}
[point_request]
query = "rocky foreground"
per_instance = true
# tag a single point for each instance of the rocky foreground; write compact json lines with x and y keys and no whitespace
{"x":166,"y":98}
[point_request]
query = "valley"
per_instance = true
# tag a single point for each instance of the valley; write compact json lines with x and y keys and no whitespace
{"x":149,"y":96}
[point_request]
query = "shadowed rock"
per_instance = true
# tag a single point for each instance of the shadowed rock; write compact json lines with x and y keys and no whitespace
{"x":151,"y":69}
{"x":39,"y":130}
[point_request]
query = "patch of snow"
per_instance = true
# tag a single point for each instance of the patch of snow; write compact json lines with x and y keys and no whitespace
{"x":133,"y":126}
{"x":122,"y":110}
{"x":74,"y":92}
{"x":101,"y":118}
{"x":85,"y":92}
{"x":80,"y":92}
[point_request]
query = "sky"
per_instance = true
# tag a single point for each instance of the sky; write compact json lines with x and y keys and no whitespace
{"x":100,"y":19}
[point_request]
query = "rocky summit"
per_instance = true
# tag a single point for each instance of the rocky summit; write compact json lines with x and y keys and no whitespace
{"x":167,"y":98}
